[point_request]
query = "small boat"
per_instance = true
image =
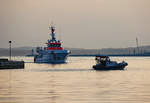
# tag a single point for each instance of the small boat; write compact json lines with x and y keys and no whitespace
{"x":104,"y":63}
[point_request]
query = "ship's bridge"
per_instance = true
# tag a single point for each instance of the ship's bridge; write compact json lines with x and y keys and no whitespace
{"x":53,"y":46}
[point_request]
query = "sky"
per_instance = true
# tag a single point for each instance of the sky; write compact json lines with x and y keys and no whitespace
{"x":92,"y":24}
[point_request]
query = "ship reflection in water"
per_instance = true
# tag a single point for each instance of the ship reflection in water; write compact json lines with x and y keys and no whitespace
{"x":76,"y":82}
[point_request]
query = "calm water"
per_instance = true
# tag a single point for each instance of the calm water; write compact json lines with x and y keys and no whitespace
{"x":76,"y":82}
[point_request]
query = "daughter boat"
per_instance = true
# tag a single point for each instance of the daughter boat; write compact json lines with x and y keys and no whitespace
{"x":104,"y":63}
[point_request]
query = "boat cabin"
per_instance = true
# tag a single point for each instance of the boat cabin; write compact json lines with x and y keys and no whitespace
{"x":102,"y":59}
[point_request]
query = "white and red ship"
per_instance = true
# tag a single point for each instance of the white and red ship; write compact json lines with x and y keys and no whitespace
{"x":53,"y":53}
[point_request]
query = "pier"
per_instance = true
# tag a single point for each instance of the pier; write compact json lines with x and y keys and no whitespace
{"x":9,"y":64}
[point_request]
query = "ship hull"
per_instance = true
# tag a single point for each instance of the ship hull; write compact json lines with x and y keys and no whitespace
{"x":51,"y":58}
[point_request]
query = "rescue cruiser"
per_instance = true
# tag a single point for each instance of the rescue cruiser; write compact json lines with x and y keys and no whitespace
{"x":53,"y":53}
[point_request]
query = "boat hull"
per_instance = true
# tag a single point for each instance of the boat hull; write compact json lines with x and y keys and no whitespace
{"x":51,"y":58}
{"x":116,"y":67}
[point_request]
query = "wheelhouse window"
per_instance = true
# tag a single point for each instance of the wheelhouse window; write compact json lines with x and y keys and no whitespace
{"x":55,"y":45}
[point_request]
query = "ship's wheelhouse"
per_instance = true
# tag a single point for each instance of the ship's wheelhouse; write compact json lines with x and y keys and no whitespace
{"x":54,"y":46}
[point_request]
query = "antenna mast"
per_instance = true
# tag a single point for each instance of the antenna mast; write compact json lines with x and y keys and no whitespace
{"x":137,"y":44}
{"x":60,"y":33}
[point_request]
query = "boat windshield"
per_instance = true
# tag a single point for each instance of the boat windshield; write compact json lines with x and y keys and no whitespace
{"x":102,"y":59}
